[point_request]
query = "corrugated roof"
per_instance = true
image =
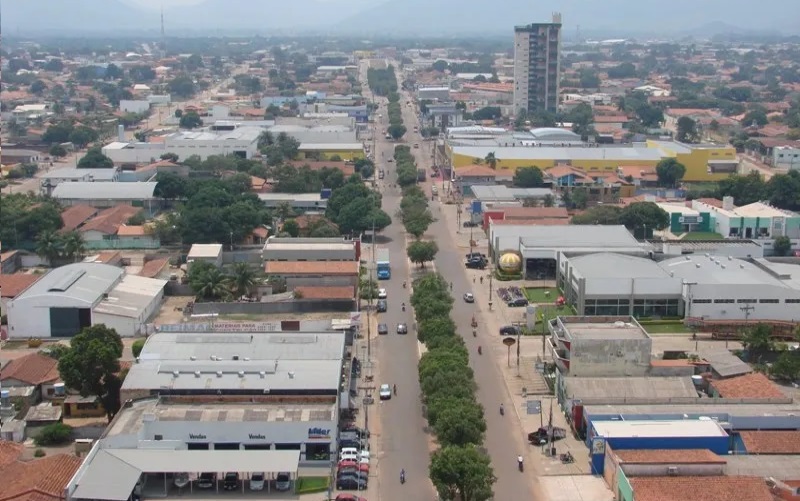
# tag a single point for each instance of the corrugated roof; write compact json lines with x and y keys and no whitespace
{"x":78,"y":283}
{"x":610,"y":265}
{"x":725,"y":363}
{"x":104,"y":191}
{"x":321,"y":292}
{"x":311,"y":267}
{"x":668,"y":456}
{"x":631,"y":388}
{"x":152,"y":268}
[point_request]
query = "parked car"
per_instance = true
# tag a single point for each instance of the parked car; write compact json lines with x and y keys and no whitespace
{"x":361,"y":475}
{"x":509,"y":330}
{"x":350,"y":443}
{"x":352,"y":464}
{"x":206,"y":480}
{"x":476,"y":264}
{"x":283,"y":481}
{"x":402,"y":329}
{"x":468,"y":297}
{"x":475,"y":255}
{"x":383,"y":329}
{"x":385,"y":392}
{"x":362,"y":433}
{"x":350,"y":483}
{"x":382,"y":294}
{"x":231,"y":481}
{"x":257,"y":482}
{"x":382,"y":305}
{"x":469,"y":224}
{"x":520,"y":301}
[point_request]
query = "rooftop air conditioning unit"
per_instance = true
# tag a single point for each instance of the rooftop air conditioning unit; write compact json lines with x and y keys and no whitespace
{"x":672,"y":471}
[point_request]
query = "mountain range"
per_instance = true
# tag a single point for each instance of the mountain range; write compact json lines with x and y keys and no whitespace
{"x":397,"y":17}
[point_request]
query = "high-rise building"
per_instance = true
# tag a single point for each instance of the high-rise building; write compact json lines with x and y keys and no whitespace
{"x":537,"y":66}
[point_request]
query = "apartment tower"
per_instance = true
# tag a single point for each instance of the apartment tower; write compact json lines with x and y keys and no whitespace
{"x":537,"y":66}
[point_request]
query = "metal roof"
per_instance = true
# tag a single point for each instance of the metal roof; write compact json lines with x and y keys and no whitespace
{"x":610,"y":265}
{"x":723,"y":411}
{"x":113,"y":473}
{"x":204,"y":251}
{"x":282,"y":346}
{"x":598,"y":389}
{"x":649,"y":428}
{"x":561,"y":154}
{"x":576,"y":236}
{"x":725,"y":363}
{"x":81,"y":284}
{"x":131,"y":297}
{"x":82,"y":190}
{"x":781,"y":467}
{"x":710,"y":270}
{"x":68,"y":173}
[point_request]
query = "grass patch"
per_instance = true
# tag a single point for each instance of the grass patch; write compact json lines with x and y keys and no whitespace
{"x":542,"y":294}
{"x":547,"y":313}
{"x":665,"y":327}
{"x":702,"y":235}
{"x":310,"y":485}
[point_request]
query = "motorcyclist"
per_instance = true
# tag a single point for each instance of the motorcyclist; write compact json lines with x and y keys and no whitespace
{"x":404,"y":284}
{"x":403,"y":306}
{"x":403,"y":476}
{"x":480,"y":352}
{"x":519,"y":462}
{"x":394,"y":389}
{"x":502,"y":410}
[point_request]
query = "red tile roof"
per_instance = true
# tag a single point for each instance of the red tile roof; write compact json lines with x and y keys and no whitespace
{"x":476,"y":170}
{"x":311,"y":292}
{"x":12,"y":284}
{"x":156,"y":165}
{"x":33,"y":369}
{"x":755,"y":385}
{"x":152,"y":268}
{"x":38,"y":480}
{"x":131,"y":230}
{"x":9,"y":452}
{"x":111,"y":219}
{"x":75,"y":216}
{"x":771,"y":442}
{"x":531,"y":222}
{"x":107,"y":257}
{"x":347,"y":169}
{"x":604,"y":119}
{"x":668,"y":456}
{"x":721,"y":488}
{"x":713,"y":202}
{"x":311,"y":267}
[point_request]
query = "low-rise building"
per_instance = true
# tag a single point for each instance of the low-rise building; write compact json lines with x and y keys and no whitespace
{"x":758,"y":220}
{"x":303,"y":202}
{"x":310,"y":249}
{"x":210,"y":253}
{"x":703,"y":162}
{"x":12,"y":285}
{"x":52,"y":178}
{"x":104,"y":195}
{"x":314,"y":273}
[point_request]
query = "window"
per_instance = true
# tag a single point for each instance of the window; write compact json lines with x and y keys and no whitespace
{"x":792,"y":301}
{"x":770,"y":301}
{"x":746,"y":301}
{"x":701,"y":301}
{"x":724,"y":301}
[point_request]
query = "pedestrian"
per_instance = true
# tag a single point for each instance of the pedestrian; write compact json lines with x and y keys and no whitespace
{"x":473,"y":280}
{"x":481,"y":279}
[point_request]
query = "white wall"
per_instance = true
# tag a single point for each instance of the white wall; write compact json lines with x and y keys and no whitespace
{"x":205,"y":149}
{"x":129,"y":106}
{"x":786,"y":158}
{"x":136,"y":154}
{"x":732,"y":311}
{"x":621,"y":287}
{"x":92,"y":236}
{"x":30,"y":318}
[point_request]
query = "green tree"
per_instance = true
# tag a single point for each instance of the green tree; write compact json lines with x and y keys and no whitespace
{"x":190,"y":120}
{"x":463,"y":473}
{"x":755,"y":117}
{"x":55,"y":351}
{"x":38,"y":87}
{"x":670,"y":172}
{"x":397,"y":131}
{"x":182,"y":86}
{"x":54,"y":434}
{"x":421,"y":252}
{"x":744,"y":189}
{"x":74,"y":247}
{"x":758,"y":341}
{"x":207,"y":282}
{"x":243,"y":279}
{"x":171,"y":186}
{"x":291,"y":227}
{"x":602,"y":214}
{"x":48,"y":246}
{"x":58,"y":151}
{"x":549,"y":201}
{"x":786,"y":367}
{"x":491,"y":160}
{"x":170,"y":157}
{"x":461,"y":424}
{"x":432,"y":328}
{"x":82,"y":135}
{"x":782,"y":246}
{"x":687,"y":130}
{"x":57,"y":133}
{"x":91,"y":364}
{"x":528,"y":177}
{"x":642,"y":218}
{"x":137,"y":347}
{"x":95,"y":159}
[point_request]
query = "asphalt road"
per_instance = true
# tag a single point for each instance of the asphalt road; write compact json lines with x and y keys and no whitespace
{"x":404,"y":442}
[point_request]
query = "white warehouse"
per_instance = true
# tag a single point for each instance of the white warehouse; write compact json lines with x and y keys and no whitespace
{"x":72,"y":297}
{"x":719,"y":288}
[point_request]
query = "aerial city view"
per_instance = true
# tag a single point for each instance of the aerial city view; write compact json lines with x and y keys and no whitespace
{"x":385,"y":250}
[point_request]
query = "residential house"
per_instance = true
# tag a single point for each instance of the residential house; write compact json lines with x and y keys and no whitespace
{"x":477,"y":175}
{"x":641,"y":176}
{"x":36,"y":370}
{"x":103,"y":230}
{"x":42,"y":479}
{"x":615,"y":122}
{"x":113,"y":258}
{"x":105,"y":195}
{"x":600,"y":186}
{"x":672,"y":115}
{"x":12,"y":284}
{"x":76,"y":216}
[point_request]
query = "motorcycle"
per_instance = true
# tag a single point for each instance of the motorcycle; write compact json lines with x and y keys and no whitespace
{"x":404,"y":306}
{"x":403,"y":476}
{"x":404,"y":285}
{"x":474,"y":333}
{"x":567,"y":458}
{"x":480,"y":352}
{"x":502,"y":410}
{"x":519,"y":464}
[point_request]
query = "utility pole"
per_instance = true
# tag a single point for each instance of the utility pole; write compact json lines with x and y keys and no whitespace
{"x":746,"y":309}
{"x":371,"y":291}
{"x":367,"y":400}
{"x":490,"y":287}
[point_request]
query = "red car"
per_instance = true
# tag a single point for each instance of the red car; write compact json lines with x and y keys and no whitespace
{"x":349,"y":497}
{"x":352,"y":464}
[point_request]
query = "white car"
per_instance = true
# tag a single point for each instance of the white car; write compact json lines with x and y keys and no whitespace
{"x":257,"y":482}
{"x":469,"y":298}
{"x":385,"y":392}
{"x":283,"y":482}
{"x":382,"y":294}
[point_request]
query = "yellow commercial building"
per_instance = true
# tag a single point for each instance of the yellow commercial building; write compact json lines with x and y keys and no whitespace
{"x":345,"y":151}
{"x":589,"y":159}
{"x":703,"y":162}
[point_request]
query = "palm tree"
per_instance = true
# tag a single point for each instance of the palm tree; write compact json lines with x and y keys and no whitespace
{"x":265,"y":139}
{"x":74,"y":246}
{"x":491,"y":160}
{"x":48,"y":246}
{"x":284,"y":211}
{"x":242,"y":279}
{"x":211,"y":284}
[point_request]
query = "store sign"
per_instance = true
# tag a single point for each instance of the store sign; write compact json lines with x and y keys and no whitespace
{"x":256,"y":436}
{"x":197,"y":436}
{"x":318,"y":433}
{"x":246,"y":326}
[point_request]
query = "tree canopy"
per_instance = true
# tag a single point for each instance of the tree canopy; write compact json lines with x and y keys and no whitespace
{"x":95,"y":159}
{"x":528,"y":177}
{"x":670,"y":172}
